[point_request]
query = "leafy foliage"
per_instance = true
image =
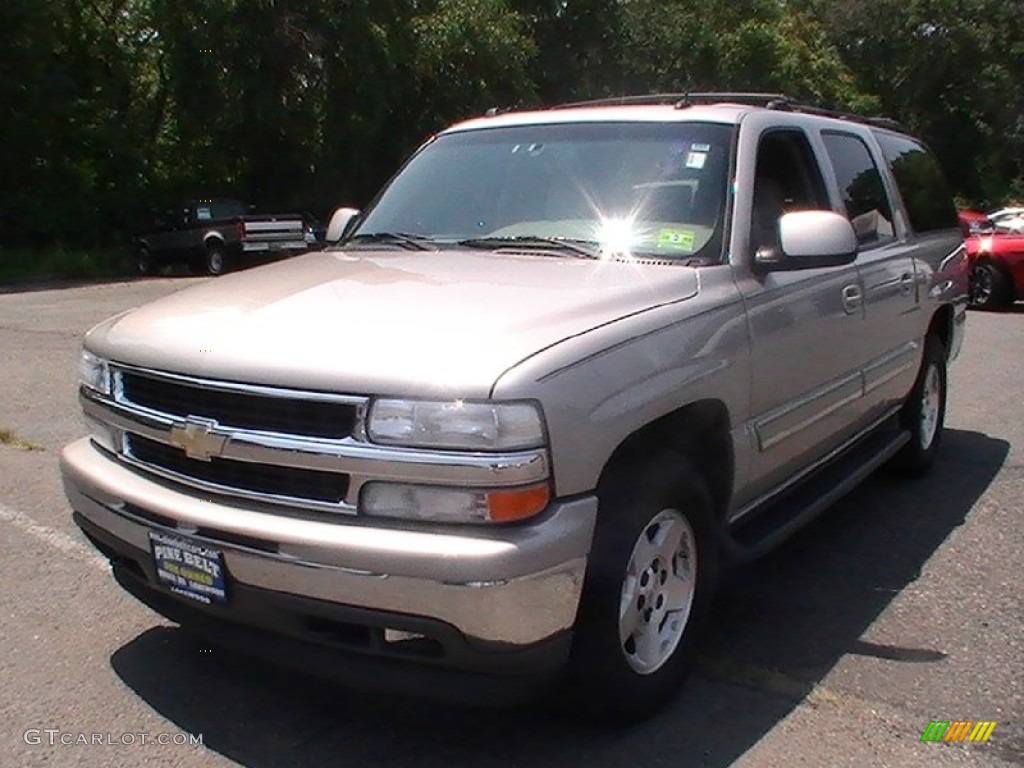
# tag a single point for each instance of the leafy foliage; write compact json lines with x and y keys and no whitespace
{"x":118,"y":107}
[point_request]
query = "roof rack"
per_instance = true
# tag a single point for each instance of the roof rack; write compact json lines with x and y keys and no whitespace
{"x":680,"y":100}
{"x":779,"y":101}
{"x":810,"y":109}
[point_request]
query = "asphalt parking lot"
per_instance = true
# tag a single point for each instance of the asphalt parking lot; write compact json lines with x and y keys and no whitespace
{"x":901,"y":606}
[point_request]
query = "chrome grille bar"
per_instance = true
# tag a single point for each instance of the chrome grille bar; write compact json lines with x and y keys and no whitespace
{"x":351,"y":458}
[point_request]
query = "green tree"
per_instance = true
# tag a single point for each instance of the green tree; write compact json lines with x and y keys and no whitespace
{"x":741,"y":45}
{"x":953,"y":71}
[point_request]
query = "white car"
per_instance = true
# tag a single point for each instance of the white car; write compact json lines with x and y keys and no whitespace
{"x":1009,"y":219}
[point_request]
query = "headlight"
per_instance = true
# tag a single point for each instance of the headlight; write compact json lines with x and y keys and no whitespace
{"x":452,"y":505}
{"x":456,"y":425}
{"x":94,"y":373}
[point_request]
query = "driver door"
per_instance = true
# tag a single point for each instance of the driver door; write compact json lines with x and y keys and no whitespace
{"x":803,"y":326}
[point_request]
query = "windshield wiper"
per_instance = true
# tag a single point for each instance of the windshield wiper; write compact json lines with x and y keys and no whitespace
{"x":581,"y":248}
{"x":405,"y":239}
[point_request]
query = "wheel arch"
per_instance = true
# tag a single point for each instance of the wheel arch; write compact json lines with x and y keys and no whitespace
{"x":213,"y":238}
{"x":941,"y":326}
{"x":699,"y":433}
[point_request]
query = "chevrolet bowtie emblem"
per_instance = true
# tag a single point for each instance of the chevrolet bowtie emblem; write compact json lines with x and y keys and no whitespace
{"x":197,"y":439}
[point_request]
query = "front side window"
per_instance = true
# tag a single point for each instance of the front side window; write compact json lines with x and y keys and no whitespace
{"x":649,"y":188}
{"x":864,"y":196}
{"x":786,"y":179}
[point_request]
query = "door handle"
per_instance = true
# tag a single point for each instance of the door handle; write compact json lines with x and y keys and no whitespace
{"x":906,"y":283}
{"x":851,"y":298}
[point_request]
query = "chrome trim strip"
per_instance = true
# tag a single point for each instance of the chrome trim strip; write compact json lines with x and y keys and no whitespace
{"x":890,"y":365}
{"x":887,"y":377}
{"x":230,"y":386}
{"x":343,"y":507}
{"x":811,"y":468}
{"x":808,"y":409}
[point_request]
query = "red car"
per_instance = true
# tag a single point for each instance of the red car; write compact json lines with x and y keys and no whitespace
{"x":972,"y":222}
{"x":997,"y":268}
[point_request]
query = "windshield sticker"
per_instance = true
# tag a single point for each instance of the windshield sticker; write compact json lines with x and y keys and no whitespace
{"x":696,"y":160}
{"x":700,"y":147}
{"x":677,"y":239}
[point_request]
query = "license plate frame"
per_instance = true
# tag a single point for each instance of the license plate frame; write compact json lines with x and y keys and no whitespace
{"x":189,"y":568}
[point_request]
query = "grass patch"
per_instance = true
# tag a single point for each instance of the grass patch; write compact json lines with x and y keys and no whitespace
{"x":18,"y":264}
{"x":11,"y":438}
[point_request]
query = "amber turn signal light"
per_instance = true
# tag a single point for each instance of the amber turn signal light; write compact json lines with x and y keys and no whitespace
{"x":518,"y":504}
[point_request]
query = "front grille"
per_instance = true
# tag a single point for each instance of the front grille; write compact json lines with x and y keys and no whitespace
{"x":304,"y":484}
{"x":240,"y":410}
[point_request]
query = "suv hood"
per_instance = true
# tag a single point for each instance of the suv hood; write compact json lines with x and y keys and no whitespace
{"x":445,"y":323}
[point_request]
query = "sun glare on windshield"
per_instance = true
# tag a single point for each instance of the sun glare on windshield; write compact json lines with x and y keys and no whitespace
{"x":616,"y":236}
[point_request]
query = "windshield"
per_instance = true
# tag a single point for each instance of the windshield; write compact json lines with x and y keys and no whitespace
{"x":623,"y":187}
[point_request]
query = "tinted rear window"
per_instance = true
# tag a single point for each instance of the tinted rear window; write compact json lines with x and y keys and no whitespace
{"x":921,"y":183}
{"x":864,"y":197}
{"x":216,"y":210}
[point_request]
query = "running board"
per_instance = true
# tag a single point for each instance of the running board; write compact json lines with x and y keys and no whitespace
{"x":763,"y":529}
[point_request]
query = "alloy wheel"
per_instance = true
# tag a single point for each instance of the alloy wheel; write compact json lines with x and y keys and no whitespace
{"x":657,"y":591}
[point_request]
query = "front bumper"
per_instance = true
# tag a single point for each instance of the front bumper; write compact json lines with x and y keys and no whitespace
{"x":480,"y":596}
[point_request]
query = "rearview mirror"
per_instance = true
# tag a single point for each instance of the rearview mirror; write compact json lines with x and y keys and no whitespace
{"x":339,"y":223}
{"x":809,"y":240}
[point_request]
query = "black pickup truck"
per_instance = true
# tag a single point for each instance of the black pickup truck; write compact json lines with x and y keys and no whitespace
{"x":213,"y":235}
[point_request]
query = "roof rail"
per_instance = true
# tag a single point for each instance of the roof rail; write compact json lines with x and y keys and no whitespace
{"x":779,"y":101}
{"x":810,"y":109}
{"x":679,"y":100}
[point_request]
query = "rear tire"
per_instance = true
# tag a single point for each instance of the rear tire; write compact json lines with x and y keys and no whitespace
{"x":650,"y":579}
{"x":924,"y":413}
{"x":216,"y":259}
{"x":990,"y":287}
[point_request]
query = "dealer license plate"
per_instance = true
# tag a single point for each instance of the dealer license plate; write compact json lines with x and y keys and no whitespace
{"x":189,"y":568}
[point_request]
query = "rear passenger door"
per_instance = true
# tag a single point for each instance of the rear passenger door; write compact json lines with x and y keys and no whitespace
{"x":888,"y":348}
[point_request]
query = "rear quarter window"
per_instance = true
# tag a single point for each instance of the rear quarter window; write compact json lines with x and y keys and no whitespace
{"x":921,"y":183}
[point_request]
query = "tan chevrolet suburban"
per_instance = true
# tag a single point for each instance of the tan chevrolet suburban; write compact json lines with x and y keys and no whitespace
{"x":510,"y":427}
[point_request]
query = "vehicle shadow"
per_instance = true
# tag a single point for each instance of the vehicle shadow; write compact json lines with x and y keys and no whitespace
{"x":1017,"y":308}
{"x":780,"y":626}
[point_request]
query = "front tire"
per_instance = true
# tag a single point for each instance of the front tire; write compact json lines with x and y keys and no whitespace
{"x":144,"y":262}
{"x":924,"y":413}
{"x":651,"y":576}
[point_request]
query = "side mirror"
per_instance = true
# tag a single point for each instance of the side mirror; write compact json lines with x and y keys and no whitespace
{"x":810,"y":240}
{"x":339,"y":223}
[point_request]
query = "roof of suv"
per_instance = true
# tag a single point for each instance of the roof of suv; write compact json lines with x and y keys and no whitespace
{"x":724,"y":108}
{"x":728,"y":114}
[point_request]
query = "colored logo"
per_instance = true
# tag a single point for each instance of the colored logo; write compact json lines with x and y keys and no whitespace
{"x":958,"y":730}
{"x":197,"y":439}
